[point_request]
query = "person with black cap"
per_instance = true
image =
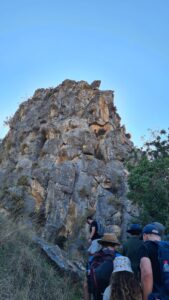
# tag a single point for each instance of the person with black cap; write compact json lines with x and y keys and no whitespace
{"x":149,"y":264}
{"x":131,"y":247}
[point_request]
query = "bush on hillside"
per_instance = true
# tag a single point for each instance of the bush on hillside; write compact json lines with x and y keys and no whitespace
{"x":25,"y":273}
{"x":149,"y":180}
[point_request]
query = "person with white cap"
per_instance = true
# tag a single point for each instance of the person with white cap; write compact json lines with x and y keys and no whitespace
{"x":123,"y":284}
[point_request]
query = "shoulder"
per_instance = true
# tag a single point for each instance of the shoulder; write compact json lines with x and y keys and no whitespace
{"x":117,"y":254}
{"x":107,"y":293}
{"x":129,"y":241}
{"x":143,"y":251}
{"x":151,"y":245}
{"x":98,"y":254}
{"x":94,"y":224}
{"x":147,"y":248}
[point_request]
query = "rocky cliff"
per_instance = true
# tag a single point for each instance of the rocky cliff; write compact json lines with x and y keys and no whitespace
{"x":62,"y":159}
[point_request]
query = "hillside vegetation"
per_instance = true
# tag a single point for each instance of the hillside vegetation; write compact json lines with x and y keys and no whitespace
{"x":149,"y":180}
{"x":25,"y":273}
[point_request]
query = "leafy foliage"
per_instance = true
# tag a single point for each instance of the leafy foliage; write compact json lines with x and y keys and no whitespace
{"x":149,"y":180}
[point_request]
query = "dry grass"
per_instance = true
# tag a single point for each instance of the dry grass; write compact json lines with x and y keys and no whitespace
{"x":25,"y":274}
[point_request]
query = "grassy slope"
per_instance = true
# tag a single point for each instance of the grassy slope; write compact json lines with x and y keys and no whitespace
{"x":25,"y":274}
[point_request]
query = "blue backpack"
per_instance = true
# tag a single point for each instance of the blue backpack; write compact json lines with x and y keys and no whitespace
{"x":163,"y":258}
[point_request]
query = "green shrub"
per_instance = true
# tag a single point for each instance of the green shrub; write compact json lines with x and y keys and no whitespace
{"x":149,"y":180}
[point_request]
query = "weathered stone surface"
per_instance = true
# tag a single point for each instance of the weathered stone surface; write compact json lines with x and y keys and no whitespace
{"x":73,"y":268}
{"x":62,"y":159}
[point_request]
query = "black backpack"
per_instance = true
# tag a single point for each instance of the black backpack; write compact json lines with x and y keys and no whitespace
{"x":100,"y":272}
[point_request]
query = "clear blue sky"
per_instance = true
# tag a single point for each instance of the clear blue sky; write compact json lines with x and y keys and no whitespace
{"x":124,"y":43}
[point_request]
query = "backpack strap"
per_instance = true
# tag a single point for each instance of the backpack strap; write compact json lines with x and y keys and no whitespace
{"x":99,"y":260}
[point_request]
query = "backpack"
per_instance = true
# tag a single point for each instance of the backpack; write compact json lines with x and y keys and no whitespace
{"x":163,"y":259}
{"x":100,"y":271}
{"x":100,"y":229}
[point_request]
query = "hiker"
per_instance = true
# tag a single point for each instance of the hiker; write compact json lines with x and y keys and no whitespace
{"x":101,"y":265}
{"x":123,"y":283}
{"x":131,"y":247}
{"x":94,"y":247}
{"x":93,"y":229}
{"x":151,"y":278}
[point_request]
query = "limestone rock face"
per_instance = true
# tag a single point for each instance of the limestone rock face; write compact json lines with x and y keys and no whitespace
{"x":63,"y":159}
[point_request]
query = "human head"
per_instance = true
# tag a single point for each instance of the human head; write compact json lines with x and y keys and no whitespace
{"x":151,"y":233}
{"x":160,"y":227}
{"x":89,"y":219}
{"x":123,"y":283}
{"x":122,"y":263}
{"x":135,"y":229}
{"x":109,"y":240}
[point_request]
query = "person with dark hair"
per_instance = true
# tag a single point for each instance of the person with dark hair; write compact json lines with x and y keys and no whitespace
{"x":93,"y":229}
{"x":131,"y":247}
{"x":93,"y":248}
{"x":123,"y":284}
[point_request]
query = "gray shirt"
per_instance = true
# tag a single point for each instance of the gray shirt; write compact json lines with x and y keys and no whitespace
{"x":107,"y":293}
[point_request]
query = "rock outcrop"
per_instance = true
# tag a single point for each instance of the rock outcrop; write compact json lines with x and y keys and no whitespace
{"x":62,"y":159}
{"x":73,"y":268}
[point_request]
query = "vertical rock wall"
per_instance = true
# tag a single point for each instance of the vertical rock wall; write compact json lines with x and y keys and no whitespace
{"x":63,"y":159}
